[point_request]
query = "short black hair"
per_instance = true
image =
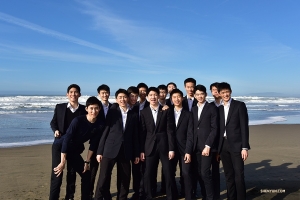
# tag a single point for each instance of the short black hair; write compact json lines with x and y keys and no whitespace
{"x":175,"y":91}
{"x":155,"y":89}
{"x":188,"y":80}
{"x":73,"y":86}
{"x":163,"y":87}
{"x":215,"y":84}
{"x":223,"y":86}
{"x":121,"y":90}
{"x":201,"y":88}
{"x":93,"y":101}
{"x":172,"y":83}
{"x":140,"y":85}
{"x":132,"y":89}
{"x":103,"y":87}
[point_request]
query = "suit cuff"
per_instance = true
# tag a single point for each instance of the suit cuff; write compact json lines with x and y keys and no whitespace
{"x":245,"y":149}
{"x":207,"y":146}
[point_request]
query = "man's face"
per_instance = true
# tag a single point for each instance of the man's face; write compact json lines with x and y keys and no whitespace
{"x":104,"y":95}
{"x":153,"y":98}
{"x":122,"y":99}
{"x":189,"y":88}
{"x":142,"y":92}
{"x":214,"y":92}
{"x":133,"y":97}
{"x":170,"y":88}
{"x":162,"y":94}
{"x":200,"y":96}
{"x":93,"y":110}
{"x":225,"y":94}
{"x":177,"y":99}
{"x":73,"y":95}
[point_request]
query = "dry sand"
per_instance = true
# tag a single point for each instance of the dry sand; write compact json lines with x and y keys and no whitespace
{"x":273,"y":166}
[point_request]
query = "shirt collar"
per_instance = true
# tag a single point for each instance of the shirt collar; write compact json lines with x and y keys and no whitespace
{"x":125,"y":112}
{"x":69,"y":106}
{"x":228,"y":104}
{"x":153,"y":110}
{"x":188,"y":97}
{"x":201,"y":105}
{"x":177,"y":111}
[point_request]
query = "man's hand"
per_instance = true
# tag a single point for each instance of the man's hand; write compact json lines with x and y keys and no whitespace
{"x":59,"y":169}
{"x":187,"y":158}
{"x":142,"y":157}
{"x":244,"y":154}
{"x":165,"y":107}
{"x":205,"y":151}
{"x":99,"y":158}
{"x":86,"y":167}
{"x":218,"y":157}
{"x":56,"y":133}
{"x":171,"y":155}
{"x":136,"y":160}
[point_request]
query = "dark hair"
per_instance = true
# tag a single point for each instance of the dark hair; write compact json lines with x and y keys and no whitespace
{"x":171,"y":83}
{"x":103,"y":87}
{"x":175,"y":91}
{"x":188,"y":80}
{"x":132,"y":89}
{"x":223,"y":86}
{"x":74,"y":86}
{"x":201,"y":88}
{"x":93,"y":101}
{"x":155,"y":89}
{"x":140,"y":85}
{"x":121,"y":90}
{"x":215,"y":84}
{"x":162,"y":87}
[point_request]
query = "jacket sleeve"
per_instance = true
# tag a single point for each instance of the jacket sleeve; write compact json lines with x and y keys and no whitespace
{"x":71,"y":131}
{"x":170,"y":130}
{"x":213,"y":126}
{"x":100,"y":149}
{"x":136,"y":139}
{"x":53,"y":123}
{"x":244,"y":124}
{"x":142,"y":132}
{"x":190,"y":135}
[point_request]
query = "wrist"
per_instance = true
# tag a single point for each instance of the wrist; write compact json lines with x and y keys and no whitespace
{"x":86,"y":162}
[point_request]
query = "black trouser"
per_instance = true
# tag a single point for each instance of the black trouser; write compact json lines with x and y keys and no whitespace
{"x":123,"y":177}
{"x":204,"y":175}
{"x":75,"y":162}
{"x":94,"y":165}
{"x":233,"y":165}
{"x":136,"y":178}
{"x":151,"y":167}
{"x":215,"y":172}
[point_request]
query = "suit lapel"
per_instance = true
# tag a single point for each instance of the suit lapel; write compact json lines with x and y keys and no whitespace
{"x":181,"y":117}
{"x":231,"y":109}
{"x":129,"y":115}
{"x":159,"y":114}
{"x":120,"y":118}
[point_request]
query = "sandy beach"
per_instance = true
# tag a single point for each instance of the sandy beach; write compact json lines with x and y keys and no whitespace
{"x":272,"y":170}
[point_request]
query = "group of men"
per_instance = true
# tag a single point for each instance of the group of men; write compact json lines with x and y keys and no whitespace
{"x":144,"y":127}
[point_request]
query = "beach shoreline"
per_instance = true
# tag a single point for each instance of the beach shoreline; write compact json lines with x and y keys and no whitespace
{"x":272,"y":170}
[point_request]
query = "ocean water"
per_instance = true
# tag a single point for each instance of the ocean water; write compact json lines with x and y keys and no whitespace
{"x":25,"y":120}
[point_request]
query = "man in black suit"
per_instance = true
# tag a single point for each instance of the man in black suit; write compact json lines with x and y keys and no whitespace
{"x":205,"y":117}
{"x":189,"y":101}
{"x":157,"y":142}
{"x":215,"y":165}
{"x":63,"y":115}
{"x":103,"y":93}
{"x":184,"y":142}
{"x":234,"y":141}
{"x":119,"y":144}
{"x":171,"y":86}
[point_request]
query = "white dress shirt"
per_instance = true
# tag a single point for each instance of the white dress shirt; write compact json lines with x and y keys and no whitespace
{"x":71,"y":108}
{"x":226,"y":110}
{"x":154,"y":113}
{"x":124,"y":116}
{"x":200,"y":108}
{"x":177,"y":115}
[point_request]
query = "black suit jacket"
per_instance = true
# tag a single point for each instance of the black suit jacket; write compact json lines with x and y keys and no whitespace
{"x":205,"y":129}
{"x":237,"y":126}
{"x":58,"y":120}
{"x":160,"y":134}
{"x":169,"y":103}
{"x":114,"y":135}
{"x":184,"y":132}
{"x":185,"y":103}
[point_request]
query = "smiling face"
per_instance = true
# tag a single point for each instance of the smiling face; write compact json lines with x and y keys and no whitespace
{"x":104,"y":95}
{"x":200,"y":96}
{"x":153,"y":98}
{"x":73,"y":95}
{"x":122,"y":100}
{"x":133,"y":97}
{"x":170,"y":88}
{"x":162,"y":94}
{"x":142,"y":93}
{"x":177,"y":99}
{"x":214,"y":92}
{"x":226,"y":95}
{"x":93,"y":110}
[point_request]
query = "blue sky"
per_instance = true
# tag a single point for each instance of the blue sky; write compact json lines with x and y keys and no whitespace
{"x":47,"y":45}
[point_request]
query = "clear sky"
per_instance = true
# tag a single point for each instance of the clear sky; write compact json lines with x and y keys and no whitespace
{"x":47,"y":45}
